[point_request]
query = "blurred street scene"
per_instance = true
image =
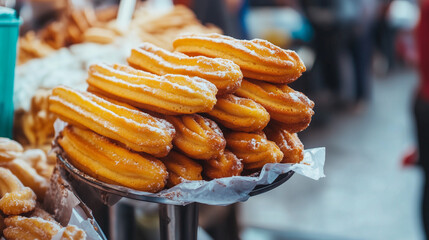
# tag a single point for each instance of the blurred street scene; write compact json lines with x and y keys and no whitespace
{"x":364,"y":73}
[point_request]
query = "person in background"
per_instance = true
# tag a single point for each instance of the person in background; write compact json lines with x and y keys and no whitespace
{"x":421,"y":106}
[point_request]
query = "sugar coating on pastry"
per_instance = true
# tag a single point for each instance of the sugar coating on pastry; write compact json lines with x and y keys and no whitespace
{"x":23,"y":228}
{"x":257,"y":58}
{"x":129,"y":126}
{"x":289,"y":143}
{"x":15,"y":198}
{"x":29,"y":177}
{"x":197,"y":137}
{"x":168,"y":94}
{"x":181,"y":168}
{"x":9,"y":149}
{"x":223,"y":73}
{"x":240,"y":114}
{"x":292,"y":108}
{"x":227,"y":165}
{"x":30,"y":228}
{"x":254,"y":149}
{"x":102,"y":159}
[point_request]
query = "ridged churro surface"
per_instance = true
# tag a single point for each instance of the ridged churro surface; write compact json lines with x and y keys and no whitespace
{"x":223,"y":73}
{"x":133,"y":128}
{"x":197,"y":137}
{"x":98,"y":157}
{"x":240,"y":114}
{"x":181,"y":168}
{"x":254,"y":149}
{"x":257,"y":58}
{"x":168,"y":94}
{"x":227,"y":165}
{"x":284,"y":104}
{"x":289,"y":143}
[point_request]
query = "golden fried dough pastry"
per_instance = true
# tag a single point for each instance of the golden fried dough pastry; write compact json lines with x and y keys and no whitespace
{"x":227,"y":165}
{"x":169,"y":94}
{"x":258,"y":59}
{"x":37,"y":124}
{"x":181,"y":168}
{"x":98,"y":157}
{"x":289,"y":143}
{"x":9,"y":149}
{"x":23,"y":228}
{"x":29,"y":177}
{"x":38,"y":160}
{"x":240,"y":114}
{"x":15,"y":198}
{"x":197,"y":137}
{"x":284,"y":104}
{"x":254,"y":149}
{"x":40,"y":213}
{"x":223,"y":73}
{"x":73,"y":233}
{"x":135,"y":129}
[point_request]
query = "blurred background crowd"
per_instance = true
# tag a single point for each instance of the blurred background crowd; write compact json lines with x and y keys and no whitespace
{"x":366,"y":73}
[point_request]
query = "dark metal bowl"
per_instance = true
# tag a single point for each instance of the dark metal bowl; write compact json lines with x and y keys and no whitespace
{"x":110,"y":193}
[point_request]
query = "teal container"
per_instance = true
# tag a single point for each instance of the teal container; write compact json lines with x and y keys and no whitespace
{"x":9,"y":30}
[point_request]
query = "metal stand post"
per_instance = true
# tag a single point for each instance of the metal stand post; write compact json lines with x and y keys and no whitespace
{"x":178,"y":222}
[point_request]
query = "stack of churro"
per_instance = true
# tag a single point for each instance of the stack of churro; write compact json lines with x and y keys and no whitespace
{"x":24,"y":180}
{"x":213,"y":108}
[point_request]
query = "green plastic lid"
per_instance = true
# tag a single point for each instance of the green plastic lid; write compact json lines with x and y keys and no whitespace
{"x":8,"y":17}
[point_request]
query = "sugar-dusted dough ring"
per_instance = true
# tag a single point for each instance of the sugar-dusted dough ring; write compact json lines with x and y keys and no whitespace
{"x":289,"y":143}
{"x":254,"y":149}
{"x":181,"y":168}
{"x":168,"y":94}
{"x":9,"y":149}
{"x":133,"y":128}
{"x":98,"y":157}
{"x":284,"y":104}
{"x":240,"y":114}
{"x":227,"y":165}
{"x":197,"y":137}
{"x":15,"y":198}
{"x":223,"y":73}
{"x":258,"y":59}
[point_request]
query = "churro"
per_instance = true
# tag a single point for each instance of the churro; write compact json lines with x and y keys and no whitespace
{"x":254,"y":149}
{"x":223,"y":73}
{"x":98,"y":157}
{"x":257,"y":58}
{"x":181,"y":168}
{"x":197,"y":137}
{"x":292,"y":108}
{"x":240,"y":114}
{"x":168,"y":94}
{"x":135,"y":129}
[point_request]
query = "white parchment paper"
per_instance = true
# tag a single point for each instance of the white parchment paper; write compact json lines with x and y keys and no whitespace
{"x":225,"y":191}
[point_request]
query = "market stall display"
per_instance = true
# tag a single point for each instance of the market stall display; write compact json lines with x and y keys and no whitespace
{"x":180,"y":124}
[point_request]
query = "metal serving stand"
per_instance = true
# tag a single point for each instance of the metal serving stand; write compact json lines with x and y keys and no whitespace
{"x":176,"y":221}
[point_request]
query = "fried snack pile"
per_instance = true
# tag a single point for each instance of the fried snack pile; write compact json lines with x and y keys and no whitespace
{"x":24,"y":180}
{"x":98,"y":26}
{"x":222,"y":108}
{"x":34,"y":128}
